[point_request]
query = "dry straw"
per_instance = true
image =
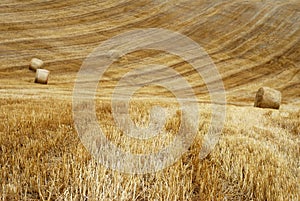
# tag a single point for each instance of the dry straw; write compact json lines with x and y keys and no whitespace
{"x":41,"y":76}
{"x":35,"y":64}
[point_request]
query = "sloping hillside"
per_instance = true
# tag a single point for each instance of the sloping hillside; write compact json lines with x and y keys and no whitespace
{"x":252,"y":43}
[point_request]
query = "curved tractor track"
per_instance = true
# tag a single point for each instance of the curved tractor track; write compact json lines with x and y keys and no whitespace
{"x":252,"y":43}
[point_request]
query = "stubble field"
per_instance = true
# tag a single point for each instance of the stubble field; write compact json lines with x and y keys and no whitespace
{"x":252,"y":44}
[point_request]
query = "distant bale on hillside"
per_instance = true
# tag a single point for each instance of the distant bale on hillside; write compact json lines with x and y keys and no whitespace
{"x":114,"y":55}
{"x":35,"y":64}
{"x":41,"y":76}
{"x":267,"y":98}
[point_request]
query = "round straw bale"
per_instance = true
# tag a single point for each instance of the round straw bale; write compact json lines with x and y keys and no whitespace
{"x":35,"y":64}
{"x":114,"y":55}
{"x":41,"y":76}
{"x":267,"y":98}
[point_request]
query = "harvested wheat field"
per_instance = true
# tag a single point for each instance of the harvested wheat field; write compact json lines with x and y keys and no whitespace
{"x":253,"y":44}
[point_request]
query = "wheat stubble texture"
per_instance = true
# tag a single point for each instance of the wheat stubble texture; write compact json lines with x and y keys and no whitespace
{"x":252,"y":43}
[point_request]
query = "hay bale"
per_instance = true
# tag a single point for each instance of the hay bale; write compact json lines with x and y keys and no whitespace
{"x":35,"y":64}
{"x":114,"y":55}
{"x":41,"y":76}
{"x":267,"y":98}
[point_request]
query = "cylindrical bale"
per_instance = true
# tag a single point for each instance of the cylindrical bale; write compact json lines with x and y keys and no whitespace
{"x":35,"y":64}
{"x":267,"y":98}
{"x":114,"y":55}
{"x":41,"y":76}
